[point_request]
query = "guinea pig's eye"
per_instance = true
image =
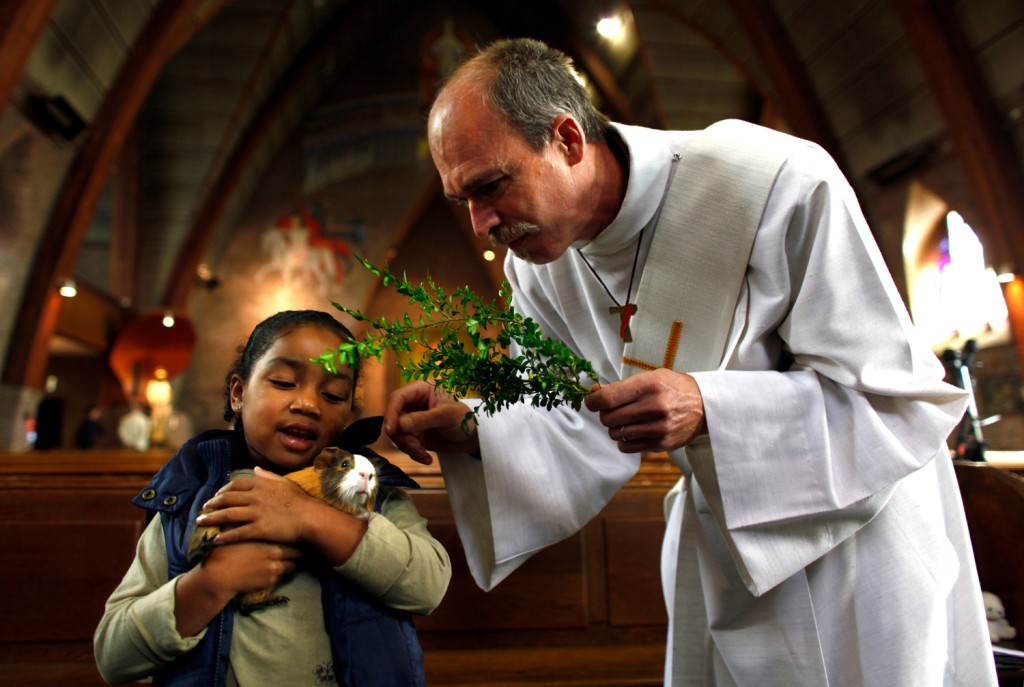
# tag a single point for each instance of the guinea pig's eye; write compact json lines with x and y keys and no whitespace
{"x":345,"y":463}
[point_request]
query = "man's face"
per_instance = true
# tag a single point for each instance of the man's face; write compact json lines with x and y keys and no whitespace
{"x":516,"y":196}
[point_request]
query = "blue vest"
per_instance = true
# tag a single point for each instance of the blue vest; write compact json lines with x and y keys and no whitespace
{"x":373,"y":645}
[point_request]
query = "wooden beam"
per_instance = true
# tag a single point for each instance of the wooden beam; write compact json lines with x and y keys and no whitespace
{"x":431,"y":192}
{"x":614,"y":97}
{"x":974,"y":123}
{"x":661,"y":119}
{"x":124,"y":243}
{"x":218,"y":196}
{"x":797,"y":98}
{"x":72,"y":211}
{"x":495,"y":269}
{"x":219,"y":192}
{"x":722,"y":48}
{"x":21,"y":22}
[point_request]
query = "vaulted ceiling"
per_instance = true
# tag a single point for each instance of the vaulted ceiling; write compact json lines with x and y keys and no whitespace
{"x":185,"y":103}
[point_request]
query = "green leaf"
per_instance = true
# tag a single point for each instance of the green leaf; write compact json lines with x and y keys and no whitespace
{"x":460,"y":352}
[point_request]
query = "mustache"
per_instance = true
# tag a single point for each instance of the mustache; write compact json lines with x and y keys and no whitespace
{"x":504,"y":234}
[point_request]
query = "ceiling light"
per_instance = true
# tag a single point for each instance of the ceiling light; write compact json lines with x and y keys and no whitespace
{"x":168,"y":320}
{"x":610,"y":28}
{"x":489,"y":255}
{"x":68,"y":288}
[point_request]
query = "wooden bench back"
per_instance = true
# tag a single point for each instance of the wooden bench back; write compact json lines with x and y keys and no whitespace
{"x":994,"y":506}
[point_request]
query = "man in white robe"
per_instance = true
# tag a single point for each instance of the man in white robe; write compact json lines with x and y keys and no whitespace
{"x":817,"y":536}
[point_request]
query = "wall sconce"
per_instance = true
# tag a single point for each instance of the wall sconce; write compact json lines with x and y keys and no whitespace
{"x":206,"y":277}
{"x":68,"y":289}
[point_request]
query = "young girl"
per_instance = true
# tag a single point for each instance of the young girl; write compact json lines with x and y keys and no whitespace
{"x":352,"y":584}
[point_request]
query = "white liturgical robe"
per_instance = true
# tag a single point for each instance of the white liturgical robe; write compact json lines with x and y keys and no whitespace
{"x":817,"y":536}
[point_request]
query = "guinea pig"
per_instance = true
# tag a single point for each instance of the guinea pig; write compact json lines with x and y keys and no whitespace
{"x":347,"y":481}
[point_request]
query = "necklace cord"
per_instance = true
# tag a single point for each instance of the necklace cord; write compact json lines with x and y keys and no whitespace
{"x":632,"y":274}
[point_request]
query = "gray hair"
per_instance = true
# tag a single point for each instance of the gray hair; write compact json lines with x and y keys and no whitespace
{"x":530,"y":84}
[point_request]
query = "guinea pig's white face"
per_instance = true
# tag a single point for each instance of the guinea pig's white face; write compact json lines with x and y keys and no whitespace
{"x":359,"y":484}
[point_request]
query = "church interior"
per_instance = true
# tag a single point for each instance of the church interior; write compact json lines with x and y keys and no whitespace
{"x":174,"y":171}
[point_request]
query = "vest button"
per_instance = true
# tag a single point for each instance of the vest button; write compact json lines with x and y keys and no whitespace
{"x":149,"y":495}
{"x":170,"y":500}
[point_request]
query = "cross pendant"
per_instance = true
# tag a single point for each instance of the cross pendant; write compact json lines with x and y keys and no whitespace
{"x":625,"y":312}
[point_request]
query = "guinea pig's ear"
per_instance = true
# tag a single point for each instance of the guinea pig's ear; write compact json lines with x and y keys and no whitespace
{"x":362,"y":432}
{"x":328,"y":457}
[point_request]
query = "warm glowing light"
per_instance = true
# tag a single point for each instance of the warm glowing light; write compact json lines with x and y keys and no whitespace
{"x":68,"y":289}
{"x":159,"y":396}
{"x":168,"y":320}
{"x":610,"y":28}
{"x":489,"y":255}
{"x":1006,"y":277}
{"x":158,"y":392}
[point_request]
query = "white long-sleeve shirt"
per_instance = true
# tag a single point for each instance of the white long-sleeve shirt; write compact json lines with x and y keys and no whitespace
{"x":820,"y":539}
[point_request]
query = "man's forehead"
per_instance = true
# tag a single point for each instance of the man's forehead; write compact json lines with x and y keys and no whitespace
{"x":462,"y":180}
{"x":471,"y":145}
{"x":465,"y":161}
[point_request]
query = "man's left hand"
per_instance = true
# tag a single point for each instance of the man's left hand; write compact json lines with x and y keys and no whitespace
{"x":657,"y":410}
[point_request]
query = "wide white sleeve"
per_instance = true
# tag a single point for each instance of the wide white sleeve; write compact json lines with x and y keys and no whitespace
{"x":802,"y":456}
{"x":543,"y":474}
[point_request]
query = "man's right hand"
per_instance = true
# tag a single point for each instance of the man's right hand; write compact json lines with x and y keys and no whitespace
{"x":419,"y":419}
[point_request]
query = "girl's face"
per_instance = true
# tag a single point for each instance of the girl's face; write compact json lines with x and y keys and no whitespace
{"x":291,"y":407}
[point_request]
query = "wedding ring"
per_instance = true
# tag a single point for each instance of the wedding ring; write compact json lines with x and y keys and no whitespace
{"x":622,"y":434}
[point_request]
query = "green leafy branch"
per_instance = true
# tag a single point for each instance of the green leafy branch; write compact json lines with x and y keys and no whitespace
{"x":460,"y":356}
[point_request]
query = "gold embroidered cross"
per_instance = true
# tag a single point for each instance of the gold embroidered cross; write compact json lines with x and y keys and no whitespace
{"x":674,"y":332}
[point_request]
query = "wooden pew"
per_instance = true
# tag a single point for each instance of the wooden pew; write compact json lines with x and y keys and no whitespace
{"x":994,"y":506}
{"x":586,"y":611}
{"x":68,"y":532}
{"x":993,"y":496}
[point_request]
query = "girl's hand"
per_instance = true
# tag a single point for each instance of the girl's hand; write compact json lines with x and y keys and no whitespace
{"x":271,"y":508}
{"x":266,"y":507}
{"x":249,"y":566}
{"x":203,"y":592}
